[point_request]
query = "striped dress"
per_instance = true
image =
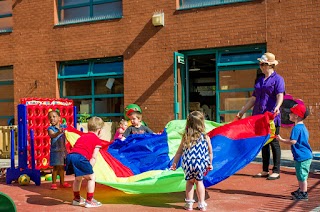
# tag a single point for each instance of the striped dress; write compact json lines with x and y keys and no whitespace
{"x":195,"y":159}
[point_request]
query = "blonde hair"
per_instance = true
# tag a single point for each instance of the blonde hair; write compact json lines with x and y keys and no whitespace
{"x":137,"y":114}
{"x":95,"y":123}
{"x":122,"y":122}
{"x":194,"y":128}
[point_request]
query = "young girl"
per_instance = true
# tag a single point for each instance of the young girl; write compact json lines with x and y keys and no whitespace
{"x":123,"y":125}
{"x":196,"y":151}
{"x":58,"y":150}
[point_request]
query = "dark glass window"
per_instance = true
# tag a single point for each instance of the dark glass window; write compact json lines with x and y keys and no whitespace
{"x":73,"y":2}
{"x":6,"y":95}
{"x":189,"y":4}
{"x":240,"y":57}
{"x":95,"y":85}
{"x":6,"y":22}
{"x":115,"y":67}
{"x":75,"y":11}
{"x":75,"y":69}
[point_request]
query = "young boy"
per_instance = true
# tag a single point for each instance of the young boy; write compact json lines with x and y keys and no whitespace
{"x":301,"y":150}
{"x":81,"y":160}
{"x":136,"y":127}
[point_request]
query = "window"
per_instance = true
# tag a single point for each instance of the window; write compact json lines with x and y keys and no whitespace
{"x":189,"y":4}
{"x":6,"y":95}
{"x":95,"y":86}
{"x":6,"y":22}
{"x":237,"y":72}
{"x":77,"y":11}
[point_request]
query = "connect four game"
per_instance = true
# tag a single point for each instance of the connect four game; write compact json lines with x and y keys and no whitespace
{"x":37,"y":120}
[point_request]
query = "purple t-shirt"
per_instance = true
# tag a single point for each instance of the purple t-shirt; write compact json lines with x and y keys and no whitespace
{"x":265,"y":91}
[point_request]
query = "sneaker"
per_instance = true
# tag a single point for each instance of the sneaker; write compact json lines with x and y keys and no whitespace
{"x":274,"y":176}
{"x":202,"y":206}
{"x":53,"y":187}
{"x":261,"y":174}
{"x":80,"y":202}
{"x":296,"y":192}
{"x":189,"y":205}
{"x":92,"y":204}
{"x":301,"y":196}
{"x":65,"y":185}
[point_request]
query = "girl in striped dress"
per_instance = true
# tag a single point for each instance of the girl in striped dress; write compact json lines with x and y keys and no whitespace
{"x":196,"y":152}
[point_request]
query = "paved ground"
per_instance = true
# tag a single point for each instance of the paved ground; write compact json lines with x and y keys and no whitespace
{"x":240,"y":193}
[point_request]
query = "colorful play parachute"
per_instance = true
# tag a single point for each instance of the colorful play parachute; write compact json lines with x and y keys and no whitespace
{"x":140,"y":164}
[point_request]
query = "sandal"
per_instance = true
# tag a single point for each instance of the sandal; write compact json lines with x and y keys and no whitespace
{"x":65,"y":185}
{"x":53,"y":187}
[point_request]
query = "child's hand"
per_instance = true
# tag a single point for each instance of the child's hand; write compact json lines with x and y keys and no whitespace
{"x":173,"y":167}
{"x":61,"y":130}
{"x":279,"y":138}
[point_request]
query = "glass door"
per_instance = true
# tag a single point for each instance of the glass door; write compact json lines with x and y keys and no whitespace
{"x":236,"y":73}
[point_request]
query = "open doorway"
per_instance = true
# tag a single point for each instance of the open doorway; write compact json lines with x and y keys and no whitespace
{"x":202,"y":84}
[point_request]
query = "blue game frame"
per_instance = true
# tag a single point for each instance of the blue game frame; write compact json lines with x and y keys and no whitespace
{"x":115,"y":11}
{"x":90,"y":75}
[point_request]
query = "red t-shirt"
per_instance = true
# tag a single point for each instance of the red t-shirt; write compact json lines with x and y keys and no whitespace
{"x":86,"y":144}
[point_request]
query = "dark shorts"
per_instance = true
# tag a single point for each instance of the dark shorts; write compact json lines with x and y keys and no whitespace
{"x":78,"y":165}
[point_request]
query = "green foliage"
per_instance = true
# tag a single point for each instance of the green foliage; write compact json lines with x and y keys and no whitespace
{"x":83,"y":118}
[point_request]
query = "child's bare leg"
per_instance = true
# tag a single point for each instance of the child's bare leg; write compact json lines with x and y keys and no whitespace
{"x":61,"y":174}
{"x":54,"y":174}
{"x":91,"y":183}
{"x":303,"y":185}
{"x":77,"y":183}
{"x":190,"y":190}
{"x":201,"y":191}
{"x":90,"y":186}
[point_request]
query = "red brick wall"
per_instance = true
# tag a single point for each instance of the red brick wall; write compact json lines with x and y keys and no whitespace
{"x":290,"y":29}
{"x":294,"y":36}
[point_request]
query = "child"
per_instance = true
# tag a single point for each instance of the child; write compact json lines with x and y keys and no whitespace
{"x":196,"y":151}
{"x":58,"y":150}
{"x":301,"y":150}
{"x":123,"y":125}
{"x":81,"y":160}
{"x":136,"y":127}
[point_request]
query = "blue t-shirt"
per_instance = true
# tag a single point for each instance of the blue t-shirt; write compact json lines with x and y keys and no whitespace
{"x":266,"y":91}
{"x":301,"y":150}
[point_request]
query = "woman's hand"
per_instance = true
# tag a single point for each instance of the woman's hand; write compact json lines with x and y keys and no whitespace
{"x":238,"y":116}
{"x":276,"y":111}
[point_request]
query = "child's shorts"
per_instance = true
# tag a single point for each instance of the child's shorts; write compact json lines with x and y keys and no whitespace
{"x":78,"y":165}
{"x":302,"y":169}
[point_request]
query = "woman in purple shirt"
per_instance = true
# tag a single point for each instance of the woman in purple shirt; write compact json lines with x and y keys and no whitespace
{"x":268,"y":96}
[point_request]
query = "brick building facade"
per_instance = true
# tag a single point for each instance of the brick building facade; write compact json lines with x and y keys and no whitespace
{"x":40,"y":42}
